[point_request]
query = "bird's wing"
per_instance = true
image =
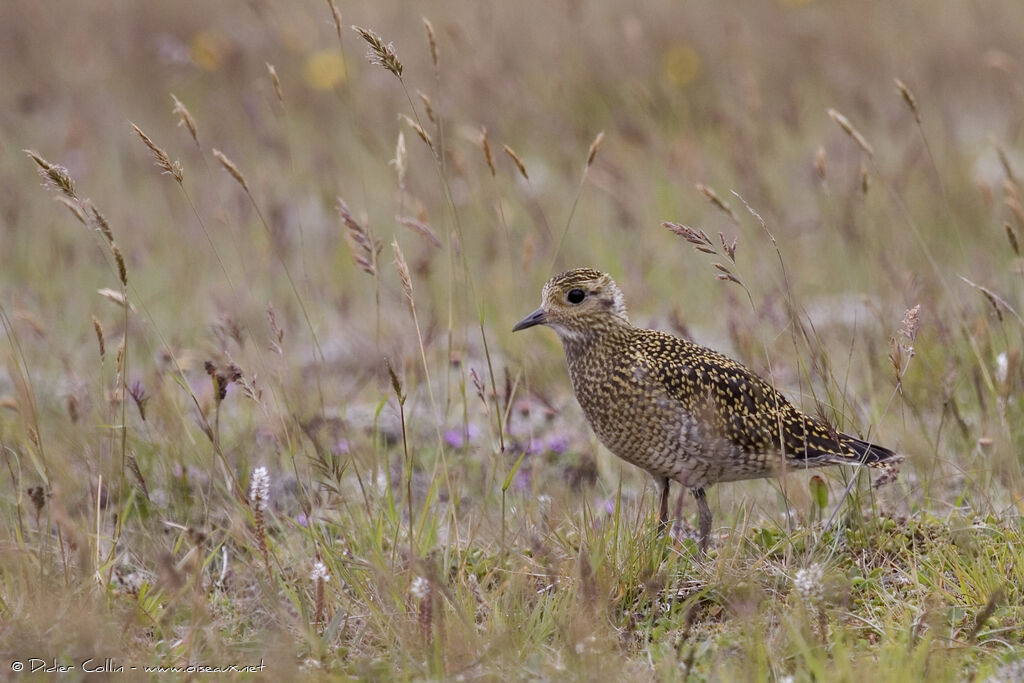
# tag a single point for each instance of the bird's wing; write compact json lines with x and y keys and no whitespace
{"x":737,"y":405}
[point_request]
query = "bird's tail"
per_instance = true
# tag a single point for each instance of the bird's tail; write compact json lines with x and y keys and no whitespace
{"x":886,"y":461}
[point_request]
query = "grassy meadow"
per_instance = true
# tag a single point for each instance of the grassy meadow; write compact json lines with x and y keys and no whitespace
{"x":260,"y":401}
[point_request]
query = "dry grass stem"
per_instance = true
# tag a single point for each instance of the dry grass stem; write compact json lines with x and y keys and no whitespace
{"x":230,"y":167}
{"x":133,"y":467}
{"x":428,"y":106}
{"x":396,"y":383}
{"x":848,"y":128}
{"x":909,"y":98}
{"x":478,"y":385}
{"x":98,"y":327}
{"x":902,"y":343}
{"x":163,"y":161}
{"x":115,"y":296}
{"x":694,"y":236}
{"x":997,"y":302}
{"x":518,"y":162}
{"x":729,"y":247}
{"x":419,"y":131}
{"x":364,"y":247}
{"x":276,"y":81}
{"x":403,"y":273}
{"x":400,"y":161}
{"x":594,"y":146}
{"x":422,"y":229}
{"x":122,"y":271}
{"x":717,"y":201}
{"x":486,"y":145}
{"x":99,"y":221}
{"x":185,"y":119}
{"x":1014,"y":205}
{"x":1011,"y":236}
{"x":336,"y":15}
{"x":432,"y":42}
{"x":1005,"y":162}
{"x":75,"y":207}
{"x":320,"y":576}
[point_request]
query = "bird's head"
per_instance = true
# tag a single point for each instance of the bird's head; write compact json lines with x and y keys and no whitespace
{"x":577,"y":303}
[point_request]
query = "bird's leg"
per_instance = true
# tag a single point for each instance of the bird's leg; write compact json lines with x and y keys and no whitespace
{"x":703,"y":517}
{"x":663,"y":511}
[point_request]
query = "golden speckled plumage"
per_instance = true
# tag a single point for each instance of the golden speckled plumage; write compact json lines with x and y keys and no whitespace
{"x":680,"y":411}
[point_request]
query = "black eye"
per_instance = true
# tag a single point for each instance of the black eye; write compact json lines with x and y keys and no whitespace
{"x":575,"y":296}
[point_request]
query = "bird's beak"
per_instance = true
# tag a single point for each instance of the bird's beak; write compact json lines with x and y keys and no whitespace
{"x":538,"y":317}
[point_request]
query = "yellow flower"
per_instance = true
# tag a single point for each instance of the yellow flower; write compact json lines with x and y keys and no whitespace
{"x":325,"y":70}
{"x":208,"y":49}
{"x":680,"y":64}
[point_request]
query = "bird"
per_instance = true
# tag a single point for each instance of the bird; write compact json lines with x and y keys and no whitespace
{"x":681,"y":411}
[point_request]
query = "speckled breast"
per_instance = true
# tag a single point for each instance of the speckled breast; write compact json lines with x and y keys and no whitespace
{"x":632,"y":416}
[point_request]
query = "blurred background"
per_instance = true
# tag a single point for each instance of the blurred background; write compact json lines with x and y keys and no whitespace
{"x":685,"y":95}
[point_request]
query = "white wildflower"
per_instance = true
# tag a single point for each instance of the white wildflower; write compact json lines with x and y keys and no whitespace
{"x":808,"y":583}
{"x":259,"y":488}
{"x":420,"y":587}
{"x":320,"y":572}
{"x":1002,"y":368}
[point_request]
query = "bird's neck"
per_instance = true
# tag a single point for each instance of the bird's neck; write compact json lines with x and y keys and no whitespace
{"x":579,"y":342}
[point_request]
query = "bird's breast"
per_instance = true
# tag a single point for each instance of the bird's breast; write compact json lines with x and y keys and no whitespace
{"x":630,"y":412}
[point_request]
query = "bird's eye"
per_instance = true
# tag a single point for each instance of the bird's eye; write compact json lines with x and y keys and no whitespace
{"x":575,"y":296}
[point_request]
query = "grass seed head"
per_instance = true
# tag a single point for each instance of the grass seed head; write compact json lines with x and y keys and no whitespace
{"x":276,"y":81}
{"x":379,"y":53}
{"x":361,"y":243}
{"x":98,"y":327}
{"x":486,"y":145}
{"x":75,"y":207}
{"x":185,"y":119}
{"x":422,"y":229}
{"x":848,"y":128}
{"x":716,"y":201}
{"x":428,"y":106}
{"x":1011,"y":236}
{"x":403,"y":272}
{"x":54,"y":175}
{"x":400,"y":161}
{"x":1005,"y":162}
{"x":115,"y":296}
{"x":163,"y":161}
{"x":99,"y":221}
{"x":122,"y":271}
{"x":396,"y":383}
{"x":432,"y":42}
{"x":230,"y":167}
{"x":518,"y":162}
{"x":419,"y":131}
{"x":909,"y":98}
{"x":259,"y":488}
{"x":594,"y":146}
